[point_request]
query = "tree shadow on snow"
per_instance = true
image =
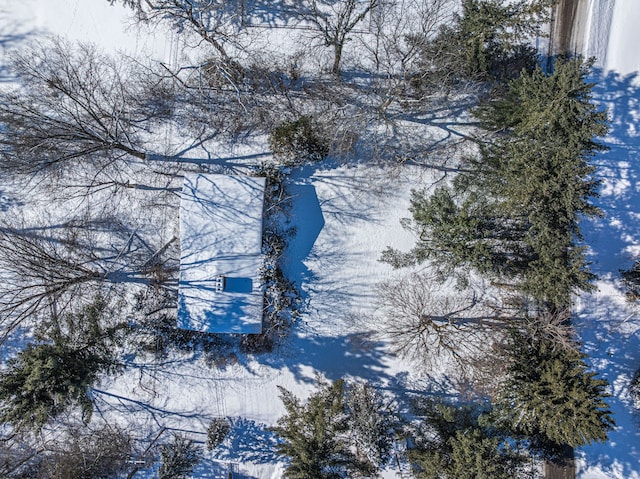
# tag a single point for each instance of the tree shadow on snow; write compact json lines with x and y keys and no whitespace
{"x":308,"y":220}
{"x":12,"y":34}
{"x":615,"y":239}
{"x":609,"y":326}
{"x":248,"y":441}
{"x":353,"y":356}
{"x":208,"y":469}
{"x":610,"y":332}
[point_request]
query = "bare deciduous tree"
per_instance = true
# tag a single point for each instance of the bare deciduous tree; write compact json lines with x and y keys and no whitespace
{"x":77,"y":451}
{"x":44,"y":272}
{"x":423,"y":323}
{"x":214,"y":21}
{"x":335,"y":20}
{"x":396,"y":25}
{"x":72,"y":103}
{"x":36,"y":273}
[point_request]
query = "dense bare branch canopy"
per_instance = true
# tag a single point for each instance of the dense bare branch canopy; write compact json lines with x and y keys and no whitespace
{"x":335,"y":20}
{"x":214,"y":21}
{"x":45,"y":271}
{"x":71,"y":103}
{"x":425,"y":324}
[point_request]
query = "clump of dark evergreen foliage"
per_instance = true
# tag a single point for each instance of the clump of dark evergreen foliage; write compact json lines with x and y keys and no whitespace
{"x":298,"y":141}
{"x":462,"y":442}
{"x":550,"y":399}
{"x":178,"y":458}
{"x":631,"y":280}
{"x":217,"y":431}
{"x":514,"y":213}
{"x":488,"y":40}
{"x":57,"y":373}
{"x":342,"y":431}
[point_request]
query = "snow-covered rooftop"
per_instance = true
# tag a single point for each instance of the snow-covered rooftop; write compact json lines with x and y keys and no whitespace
{"x":221,"y":237}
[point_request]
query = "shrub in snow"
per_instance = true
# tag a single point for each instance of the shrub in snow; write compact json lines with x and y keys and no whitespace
{"x":256,"y":343}
{"x":634,"y":389}
{"x":631,"y":280}
{"x":281,"y":297}
{"x":371,"y":421}
{"x":178,"y":458}
{"x":87,"y":453}
{"x":218,"y":430}
{"x":296,"y":142}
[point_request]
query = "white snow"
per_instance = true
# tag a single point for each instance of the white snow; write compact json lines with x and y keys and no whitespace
{"x":609,"y":325}
{"x":94,"y":21}
{"x":344,"y":218}
{"x":611,"y":35}
{"x":221,"y":254}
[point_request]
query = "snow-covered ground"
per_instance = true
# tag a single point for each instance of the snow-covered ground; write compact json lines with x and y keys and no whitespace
{"x":345,"y":216}
{"x":610,"y":326}
{"x":93,"y":21}
{"x":611,"y":34}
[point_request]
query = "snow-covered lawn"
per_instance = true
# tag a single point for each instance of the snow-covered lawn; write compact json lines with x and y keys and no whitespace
{"x":344,"y":217}
{"x":610,"y":326}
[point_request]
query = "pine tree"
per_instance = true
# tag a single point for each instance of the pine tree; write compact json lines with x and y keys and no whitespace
{"x":178,"y":458}
{"x":486,"y":40}
{"x":539,"y":168}
{"x":57,"y":373}
{"x":514,"y":213}
{"x":461,"y":443}
{"x":371,"y":423}
{"x":315,"y":436}
{"x":550,"y":397}
{"x":461,"y":231}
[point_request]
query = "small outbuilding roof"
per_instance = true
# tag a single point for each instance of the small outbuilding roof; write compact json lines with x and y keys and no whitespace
{"x":221,"y":254}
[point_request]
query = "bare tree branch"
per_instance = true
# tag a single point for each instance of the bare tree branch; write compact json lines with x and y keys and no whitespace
{"x":335,"y":20}
{"x":72,"y":103}
{"x":214,"y":21}
{"x":425,"y":324}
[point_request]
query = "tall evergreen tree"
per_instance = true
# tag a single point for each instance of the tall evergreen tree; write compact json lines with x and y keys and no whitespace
{"x":461,"y":230}
{"x":51,"y":376}
{"x":460,"y":443}
{"x":43,"y":381}
{"x":540,"y":168}
{"x":316,"y":436}
{"x":514,"y":213}
{"x":486,"y":39}
{"x":550,"y":397}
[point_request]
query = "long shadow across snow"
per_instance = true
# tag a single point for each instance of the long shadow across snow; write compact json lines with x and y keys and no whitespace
{"x":609,"y":326}
{"x":309,"y":220}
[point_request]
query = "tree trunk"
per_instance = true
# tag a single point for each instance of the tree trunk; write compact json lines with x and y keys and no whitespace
{"x":563,"y":467}
{"x":133,"y":152}
{"x":337,"y":57}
